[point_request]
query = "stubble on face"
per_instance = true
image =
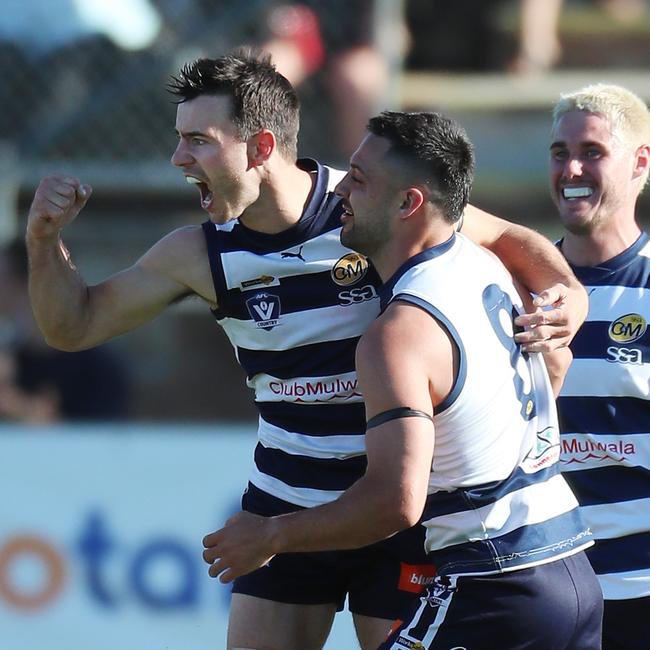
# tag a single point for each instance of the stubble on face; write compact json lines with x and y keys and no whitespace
{"x":594,"y":169}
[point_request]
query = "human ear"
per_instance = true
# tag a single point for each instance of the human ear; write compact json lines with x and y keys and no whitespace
{"x":412,"y":200}
{"x":260,"y":147}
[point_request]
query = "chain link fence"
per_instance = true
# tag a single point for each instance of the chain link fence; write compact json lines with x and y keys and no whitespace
{"x":85,"y":82}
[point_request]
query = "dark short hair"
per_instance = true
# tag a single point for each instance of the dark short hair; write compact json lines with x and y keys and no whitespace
{"x":434,"y":148}
{"x":261,"y":97}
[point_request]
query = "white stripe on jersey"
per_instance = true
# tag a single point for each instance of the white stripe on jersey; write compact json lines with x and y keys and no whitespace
{"x":625,"y":585}
{"x":599,"y":378}
{"x":611,"y":520}
{"x":626,"y":300}
{"x":305,"y":497}
{"x":540,"y":502}
{"x":243,"y":266}
{"x":300,"y":328}
{"x":340,"y":447}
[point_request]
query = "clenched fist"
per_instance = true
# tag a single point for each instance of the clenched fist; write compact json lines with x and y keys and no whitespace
{"x":57,"y":201}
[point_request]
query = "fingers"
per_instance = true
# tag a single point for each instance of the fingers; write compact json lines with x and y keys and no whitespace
{"x":57,"y":201}
{"x":544,"y":330}
{"x":555,"y":317}
{"x":554,"y":295}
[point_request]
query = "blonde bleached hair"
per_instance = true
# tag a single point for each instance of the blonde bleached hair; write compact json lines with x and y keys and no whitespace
{"x":627,"y":113}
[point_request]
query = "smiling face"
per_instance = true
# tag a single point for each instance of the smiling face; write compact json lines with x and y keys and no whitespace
{"x":592,"y":173}
{"x":369,"y":196}
{"x":213,"y":157}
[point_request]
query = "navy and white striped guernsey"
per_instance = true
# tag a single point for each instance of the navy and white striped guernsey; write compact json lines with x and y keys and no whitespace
{"x":497,"y":501}
{"x":294,"y":305}
{"x":604,"y":411}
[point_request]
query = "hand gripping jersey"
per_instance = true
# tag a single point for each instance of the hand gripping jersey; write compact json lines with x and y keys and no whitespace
{"x":604,"y":409}
{"x":293,"y":305}
{"x":497,"y":501}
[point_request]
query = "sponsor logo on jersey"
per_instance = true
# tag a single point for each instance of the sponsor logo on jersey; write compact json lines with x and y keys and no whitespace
{"x":416,"y":577}
{"x":628,"y":328}
{"x":410,"y":644}
{"x":316,"y":390}
{"x":286,"y":254}
{"x":357,"y":294}
{"x":255,"y":282}
{"x":624,"y":355}
{"x":349,"y":269}
{"x":264,"y":309}
{"x":582,"y":450}
{"x":544,"y":452}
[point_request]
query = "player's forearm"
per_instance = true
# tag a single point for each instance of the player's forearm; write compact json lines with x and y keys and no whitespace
{"x":363,"y":515}
{"x":58,"y":294}
{"x":533,"y":259}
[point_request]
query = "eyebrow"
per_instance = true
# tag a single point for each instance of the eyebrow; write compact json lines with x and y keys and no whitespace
{"x":191,"y":134}
{"x":587,"y":143}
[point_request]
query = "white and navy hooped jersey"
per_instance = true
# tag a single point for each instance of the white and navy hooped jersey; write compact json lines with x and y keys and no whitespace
{"x":294,"y":305}
{"x":604,"y":409}
{"x":497,"y":501}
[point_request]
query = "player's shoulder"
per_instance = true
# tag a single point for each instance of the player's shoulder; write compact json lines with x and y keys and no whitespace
{"x":180,"y":248}
{"x":398,"y":331}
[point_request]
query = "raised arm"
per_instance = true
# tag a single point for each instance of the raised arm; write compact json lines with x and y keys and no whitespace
{"x":536,"y":264}
{"x":73,"y":315}
{"x":394,"y":371}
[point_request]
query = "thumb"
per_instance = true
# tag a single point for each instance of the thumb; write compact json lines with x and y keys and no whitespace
{"x":551,"y":296}
{"x":84,"y":192}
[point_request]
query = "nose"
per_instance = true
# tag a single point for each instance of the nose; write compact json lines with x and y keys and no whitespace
{"x":341,"y":188}
{"x":180,"y":157}
{"x":573,"y":167}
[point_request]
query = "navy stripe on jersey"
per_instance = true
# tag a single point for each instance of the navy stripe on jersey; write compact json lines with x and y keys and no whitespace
{"x":329,"y":358}
{"x":218,"y":279}
{"x":630,"y":553}
{"x":543,"y":541}
{"x":609,"y":485}
{"x":447,"y":503}
{"x":315,"y":419}
{"x":596,"y":415}
{"x":318,"y":473}
{"x":594,"y":335}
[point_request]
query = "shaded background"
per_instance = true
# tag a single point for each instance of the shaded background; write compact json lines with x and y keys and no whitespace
{"x":83,"y":92}
{"x":115,"y":462}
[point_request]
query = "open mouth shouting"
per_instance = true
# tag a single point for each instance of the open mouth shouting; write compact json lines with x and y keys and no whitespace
{"x":206,"y":193}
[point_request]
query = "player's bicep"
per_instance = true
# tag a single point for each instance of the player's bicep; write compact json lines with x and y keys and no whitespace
{"x":137,"y":294}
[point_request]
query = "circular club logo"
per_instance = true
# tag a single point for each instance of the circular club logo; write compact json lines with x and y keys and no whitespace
{"x":628,"y":328}
{"x":349,"y":269}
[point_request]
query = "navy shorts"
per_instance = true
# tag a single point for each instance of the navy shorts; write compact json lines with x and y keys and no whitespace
{"x":626,"y":624}
{"x":555,"y":606}
{"x":380,"y":580}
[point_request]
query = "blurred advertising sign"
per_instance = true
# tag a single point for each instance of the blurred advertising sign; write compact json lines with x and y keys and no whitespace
{"x":100,"y":534}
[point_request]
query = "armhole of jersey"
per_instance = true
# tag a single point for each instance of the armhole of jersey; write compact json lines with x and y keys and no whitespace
{"x":218,"y":278}
{"x":459,"y":380}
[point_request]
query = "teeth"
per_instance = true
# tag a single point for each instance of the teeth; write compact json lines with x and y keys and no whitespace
{"x":192,"y":181}
{"x":577,"y":192}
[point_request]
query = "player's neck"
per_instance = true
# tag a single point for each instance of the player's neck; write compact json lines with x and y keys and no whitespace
{"x":282,"y":199}
{"x":600,"y":245}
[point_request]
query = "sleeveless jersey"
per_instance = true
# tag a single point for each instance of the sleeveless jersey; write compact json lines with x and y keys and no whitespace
{"x":604,"y":409}
{"x":497,"y":501}
{"x":293,"y":305}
